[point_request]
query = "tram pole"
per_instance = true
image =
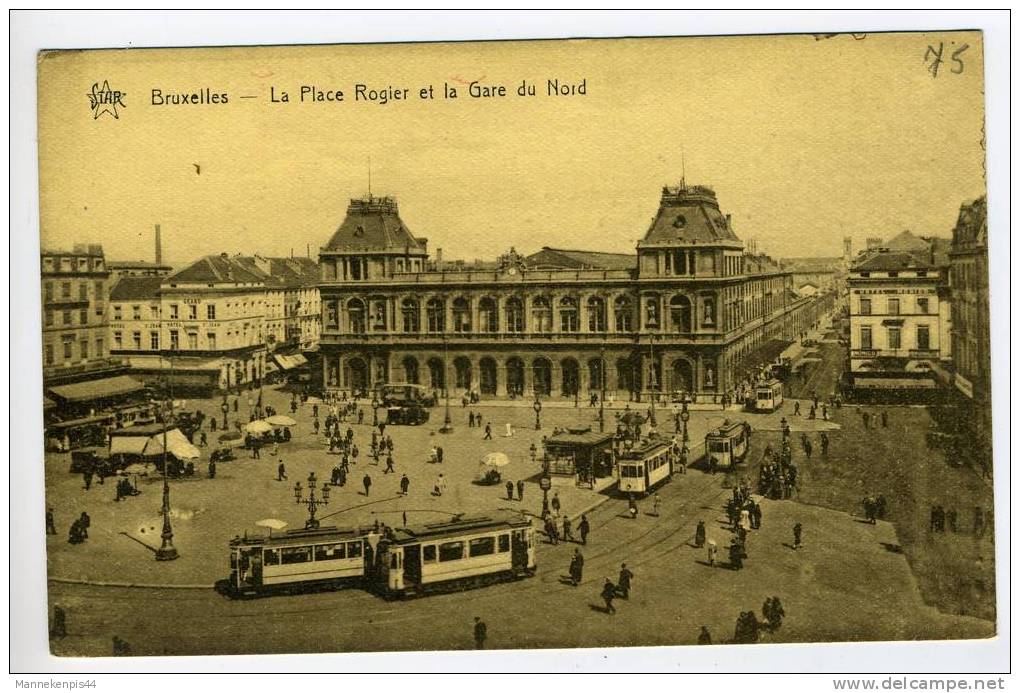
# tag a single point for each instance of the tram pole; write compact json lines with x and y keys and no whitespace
{"x":167,"y":551}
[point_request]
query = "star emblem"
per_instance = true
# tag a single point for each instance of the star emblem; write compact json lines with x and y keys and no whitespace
{"x":105,"y":100}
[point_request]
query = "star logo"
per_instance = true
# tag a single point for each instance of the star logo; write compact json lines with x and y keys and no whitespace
{"x":105,"y":100}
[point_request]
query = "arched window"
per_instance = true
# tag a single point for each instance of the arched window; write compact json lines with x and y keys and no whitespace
{"x":435,"y":311}
{"x":680,"y":313}
{"x":462,"y":372}
{"x":488,"y":318}
{"x":411,"y":370}
{"x":624,"y":311}
{"x":356,"y":316}
{"x":595,"y":374}
{"x":437,"y":374}
{"x":514,"y":315}
{"x":411,"y":316}
{"x":461,"y":315}
{"x":541,"y":314}
{"x":568,"y":314}
{"x":596,"y":314}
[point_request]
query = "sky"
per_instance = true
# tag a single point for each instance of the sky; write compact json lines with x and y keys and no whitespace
{"x":805,"y":141}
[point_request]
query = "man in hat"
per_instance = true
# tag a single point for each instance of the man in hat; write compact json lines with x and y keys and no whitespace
{"x":481,"y":633}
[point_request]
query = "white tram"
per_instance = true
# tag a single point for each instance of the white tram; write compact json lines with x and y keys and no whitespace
{"x":645,"y":466}
{"x":727,"y":445}
{"x":768,"y":396}
{"x":459,"y":553}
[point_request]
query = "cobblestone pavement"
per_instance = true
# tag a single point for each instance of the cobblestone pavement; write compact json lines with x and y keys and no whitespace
{"x":844,"y":584}
{"x":207,"y":513}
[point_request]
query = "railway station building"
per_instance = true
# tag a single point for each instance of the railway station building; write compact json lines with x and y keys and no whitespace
{"x":689,"y":312}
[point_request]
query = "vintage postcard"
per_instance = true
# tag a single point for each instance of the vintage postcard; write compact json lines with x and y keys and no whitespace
{"x":516,"y":344}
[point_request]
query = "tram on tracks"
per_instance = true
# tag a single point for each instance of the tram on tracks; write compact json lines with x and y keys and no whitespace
{"x":646,"y":466}
{"x":461,"y":553}
{"x":768,"y":396}
{"x":728,"y":444}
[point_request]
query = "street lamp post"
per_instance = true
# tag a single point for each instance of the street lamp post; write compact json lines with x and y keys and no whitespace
{"x":375,"y":411}
{"x":651,"y":387}
{"x":545,"y":483}
{"x":602,"y":399}
{"x":311,"y":502}
{"x":167,"y":551}
{"x":685,"y":417}
{"x":447,"y":426}
{"x":537,"y":406}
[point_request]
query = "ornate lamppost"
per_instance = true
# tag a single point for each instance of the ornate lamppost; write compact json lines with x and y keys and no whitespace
{"x":447,"y":426}
{"x":167,"y":551}
{"x":537,"y":406}
{"x":375,"y":410}
{"x":545,"y":483}
{"x":602,"y":399}
{"x":311,"y":502}
{"x":685,"y":417}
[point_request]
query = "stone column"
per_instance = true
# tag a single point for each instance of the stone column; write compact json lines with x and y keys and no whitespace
{"x":611,"y":313}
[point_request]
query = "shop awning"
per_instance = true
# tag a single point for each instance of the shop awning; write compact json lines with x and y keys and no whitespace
{"x":48,"y":404}
{"x":128,"y":445}
{"x":894,"y":383}
{"x":97,"y":389}
{"x":764,"y":353}
{"x":289,"y":361}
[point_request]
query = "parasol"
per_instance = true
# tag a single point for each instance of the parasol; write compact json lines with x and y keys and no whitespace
{"x":259,"y":426}
{"x":495,"y":459}
{"x":281,"y":420}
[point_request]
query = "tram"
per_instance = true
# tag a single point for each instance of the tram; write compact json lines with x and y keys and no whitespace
{"x":768,"y":396}
{"x":646,"y":466}
{"x":728,"y":444}
{"x":464,"y":552}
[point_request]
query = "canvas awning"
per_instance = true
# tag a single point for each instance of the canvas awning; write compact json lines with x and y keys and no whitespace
{"x":289,"y":361}
{"x":128,"y":445}
{"x":97,"y":389}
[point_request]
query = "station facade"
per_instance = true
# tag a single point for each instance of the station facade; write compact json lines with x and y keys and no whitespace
{"x":690,"y":312}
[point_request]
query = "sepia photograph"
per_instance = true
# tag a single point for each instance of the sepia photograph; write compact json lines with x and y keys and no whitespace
{"x":515,"y":345}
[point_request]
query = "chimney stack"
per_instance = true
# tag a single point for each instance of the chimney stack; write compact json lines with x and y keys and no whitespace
{"x":159,"y":247}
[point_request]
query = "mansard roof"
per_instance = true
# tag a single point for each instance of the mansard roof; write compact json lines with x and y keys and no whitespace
{"x":689,"y":214}
{"x":374,"y":224}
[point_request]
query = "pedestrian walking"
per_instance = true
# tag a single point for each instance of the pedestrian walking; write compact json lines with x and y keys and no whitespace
{"x":796,"y":408}
{"x":576,"y":568}
{"x":704,"y":637}
{"x":509,"y":490}
{"x":568,"y":534}
{"x":85,"y":522}
{"x":699,"y":535}
{"x":281,"y":472}
{"x":488,"y":432}
{"x":212,"y":469}
{"x":655,"y":505}
{"x":389,"y":464}
{"x":632,"y":508}
{"x":551,"y":531}
{"x":608,"y":594}
{"x":825,"y":444}
{"x":440,"y":486}
{"x":623,"y":586}
{"x":713,"y":552}
{"x":520,"y":489}
{"x":405,"y":483}
{"x":87,"y":476}
{"x":583,"y":528}
{"x":481,"y":633}
{"x":825,"y":413}
{"x":51,"y":527}
{"x":556,"y":503}
{"x":797,"y":529}
{"x":367,"y":483}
